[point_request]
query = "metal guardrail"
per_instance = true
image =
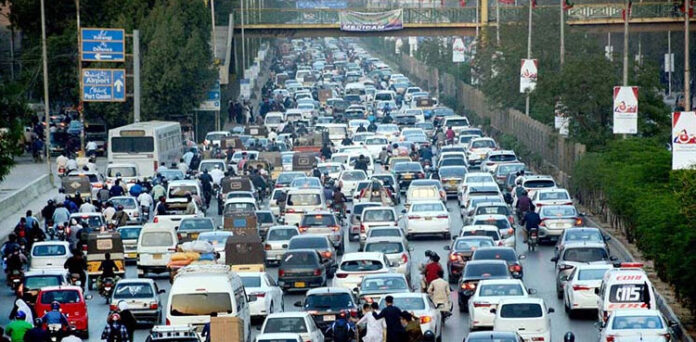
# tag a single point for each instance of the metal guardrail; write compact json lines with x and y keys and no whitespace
{"x":435,"y":16}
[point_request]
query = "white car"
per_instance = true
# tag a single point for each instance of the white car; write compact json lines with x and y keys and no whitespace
{"x":331,"y":168}
{"x":130,"y":206}
{"x":507,"y":232}
{"x":420,"y":305}
{"x":349,"y":180}
{"x":635,"y":325}
{"x":49,"y":255}
{"x":478,"y":149}
{"x":269,"y":297}
{"x":553,"y":196}
{"x":354,"y":266}
{"x":396,"y":251}
{"x":527,"y":316}
{"x":293,"y":322}
{"x":374,"y":146}
{"x":487,"y":296}
{"x":418,"y":113}
{"x":496,"y":158}
{"x":389,"y":131}
{"x":275,"y":337}
{"x":579,"y":289}
{"x":215,"y":138}
{"x":428,"y":217}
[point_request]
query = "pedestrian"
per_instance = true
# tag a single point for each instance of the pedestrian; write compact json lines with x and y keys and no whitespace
{"x":412,"y":327}
{"x":374,"y":326}
{"x":392,"y":317}
{"x":21,"y":305}
{"x":127,"y":318}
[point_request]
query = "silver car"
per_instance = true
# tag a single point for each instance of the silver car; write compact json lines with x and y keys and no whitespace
{"x":277,"y":240}
{"x":142,"y":298}
{"x":395,"y":250}
{"x":577,"y":253}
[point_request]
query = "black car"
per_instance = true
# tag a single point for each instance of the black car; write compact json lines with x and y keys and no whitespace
{"x":493,"y":336}
{"x":326,"y":303}
{"x":507,"y":254}
{"x":475,"y":271}
{"x":301,"y":269}
{"x":461,"y":250}
{"x":407,"y":172}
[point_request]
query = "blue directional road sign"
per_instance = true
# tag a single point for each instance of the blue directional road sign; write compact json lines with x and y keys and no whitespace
{"x":103,"y":85}
{"x":212,"y":101}
{"x":102,"y":45}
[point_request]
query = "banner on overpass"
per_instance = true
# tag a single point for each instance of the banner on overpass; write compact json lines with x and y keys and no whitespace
{"x":372,"y":22}
{"x":683,"y":140}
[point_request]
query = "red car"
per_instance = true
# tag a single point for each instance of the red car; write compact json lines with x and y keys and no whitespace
{"x":72,"y":304}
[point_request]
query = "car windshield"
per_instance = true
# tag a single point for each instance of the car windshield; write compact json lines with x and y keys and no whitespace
{"x":406,"y":303}
{"x":408,"y":167}
{"x":452,"y":172}
{"x":318,"y":220}
{"x":500,"y":223}
{"x":384,"y":247}
{"x":215,"y":136}
{"x":49,"y":250}
{"x":479,"y":179}
{"x":465,"y":245}
{"x":302,"y":259}
{"x":130,"y":233}
{"x":354,"y":176}
{"x":482,"y":199}
{"x":215,"y":239}
{"x":376,"y":141}
{"x":133,"y":290}
{"x":60,"y":296}
{"x":495,"y":254}
{"x":329,"y":301}
{"x":285,"y":325}
{"x":539,"y":184}
{"x":385,"y":284}
{"x":553,"y":195}
{"x":251,"y":281}
{"x":209,"y":166}
{"x":156,"y":239}
{"x":521,"y":310}
{"x":37,"y":282}
{"x":361,"y":265}
{"x":592,"y":274}
{"x":585,"y":254}
{"x":378,"y":215}
{"x":427,"y":207}
{"x":304,"y":199}
{"x":197,"y":304}
{"x":425,"y":126}
{"x":171,"y":175}
{"x":358,"y":208}
{"x":453,"y":162}
{"x":501,"y":290}
{"x":385,"y":179}
{"x":329,"y":168}
{"x":196,"y":225}
{"x":485,"y":270}
{"x":558,"y":211}
{"x":636,"y":322}
{"x":274,"y":119}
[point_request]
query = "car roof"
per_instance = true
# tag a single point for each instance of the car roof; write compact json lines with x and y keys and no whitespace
{"x":60,"y":288}
{"x":487,"y":261}
{"x":326,"y":290}
{"x":491,"y":335}
{"x":520,"y":300}
{"x":48,"y":272}
{"x":287,"y":314}
{"x":408,"y":295}
{"x":50,"y":243}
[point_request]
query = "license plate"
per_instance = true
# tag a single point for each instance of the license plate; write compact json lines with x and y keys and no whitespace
{"x":132,"y":255}
{"x":300,"y":284}
{"x":157,"y":256}
{"x":408,"y":176}
{"x":194,"y":236}
{"x":428,"y":218}
{"x":329,"y":318}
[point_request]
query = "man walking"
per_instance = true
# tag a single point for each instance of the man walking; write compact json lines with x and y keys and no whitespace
{"x":392,"y":317}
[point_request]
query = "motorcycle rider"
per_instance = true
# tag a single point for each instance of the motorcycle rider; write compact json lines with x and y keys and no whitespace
{"x":207,"y":186}
{"x":259,"y":182}
{"x":115,"y":330}
{"x":431,"y":269}
{"x":342,"y":329}
{"x":347,"y":141}
{"x":190,"y":206}
{"x":47,"y":211}
{"x":9,"y":246}
{"x":326,"y":152}
{"x":217,"y":175}
{"x":339,"y":201}
{"x":55,"y":316}
{"x":439,"y":292}
{"x":76,"y":264}
{"x":531,"y":220}
{"x":15,"y":261}
{"x":372,"y":127}
{"x":62,"y":163}
{"x":450,"y":135}
{"x":38,"y":333}
{"x":161,"y":207}
{"x":108,"y":268}
{"x":135,"y":190}
{"x":18,"y":328}
{"x":116,"y":189}
{"x":145,"y":200}
{"x":524,"y":205}
{"x":88,"y":207}
{"x":361,"y":128}
{"x":361,"y":163}
{"x":120,"y":217}
{"x":426,"y":154}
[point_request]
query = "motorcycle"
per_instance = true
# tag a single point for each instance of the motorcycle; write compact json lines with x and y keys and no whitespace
{"x":145,"y":213}
{"x":219,"y":198}
{"x":445,"y":311}
{"x":533,"y":238}
{"x":75,"y":279}
{"x":107,"y":288}
{"x":14,"y":279}
{"x":55,"y":332}
{"x":60,"y":233}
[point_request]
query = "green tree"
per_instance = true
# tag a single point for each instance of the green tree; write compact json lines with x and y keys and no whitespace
{"x":14,"y":113}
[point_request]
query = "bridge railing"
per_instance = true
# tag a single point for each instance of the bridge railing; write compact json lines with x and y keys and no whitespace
{"x":434,"y":16}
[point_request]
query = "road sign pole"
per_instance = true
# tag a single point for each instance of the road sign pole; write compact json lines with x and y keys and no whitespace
{"x":669,"y":58}
{"x":80,"y":109}
{"x":44,"y":55}
{"x":687,"y":72}
{"x":529,"y":53}
{"x":136,"y":75}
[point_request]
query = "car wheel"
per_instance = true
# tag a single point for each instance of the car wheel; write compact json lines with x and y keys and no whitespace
{"x":409,"y":237}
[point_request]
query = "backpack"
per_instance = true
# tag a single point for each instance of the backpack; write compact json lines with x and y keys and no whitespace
{"x":115,"y":333}
{"x":341,"y":333}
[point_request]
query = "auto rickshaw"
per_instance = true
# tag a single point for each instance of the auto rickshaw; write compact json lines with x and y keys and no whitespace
{"x":77,"y":183}
{"x":275,"y":161}
{"x":256,"y":131}
{"x":99,"y":244}
{"x":240,"y":220}
{"x":304,"y":161}
{"x":244,"y":251}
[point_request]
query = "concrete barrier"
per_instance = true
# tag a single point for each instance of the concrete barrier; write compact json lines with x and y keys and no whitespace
{"x":23,"y":197}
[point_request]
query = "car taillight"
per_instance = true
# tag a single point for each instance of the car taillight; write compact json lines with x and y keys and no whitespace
{"x":578,"y":221}
{"x":490,"y":163}
{"x":281,"y":273}
{"x":113,"y":307}
{"x":326,"y":254}
{"x":154,"y":306}
{"x":425,"y":319}
{"x":469,"y":286}
{"x":414,"y":217}
{"x":154,"y":163}
{"x":453,"y":257}
{"x":84,"y":248}
{"x":155,"y":220}
{"x":267,"y":247}
{"x":610,"y":338}
{"x":167,"y":322}
{"x":289,"y":211}
{"x":537,"y":339}
{"x":260,"y":294}
{"x":580,"y":288}
{"x":278,"y":185}
{"x":482,"y":304}
{"x":515,"y":268}
{"x":667,"y":336}
{"x":421,"y":175}
{"x":404,"y":258}
{"x":136,"y":214}
{"x":353,"y":313}
{"x":302,"y":229}
{"x":335,"y":228}
{"x":362,"y":228}
{"x":542,"y":223}
{"x":539,"y":205}
{"x":178,"y":236}
{"x":511,"y":219}
{"x":442,"y":216}
{"x":341,"y":275}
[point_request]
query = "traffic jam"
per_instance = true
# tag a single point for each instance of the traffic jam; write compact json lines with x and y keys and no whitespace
{"x":346,"y":203}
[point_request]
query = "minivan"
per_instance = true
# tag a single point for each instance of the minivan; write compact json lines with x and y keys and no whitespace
{"x":156,"y":245}
{"x":49,"y":255}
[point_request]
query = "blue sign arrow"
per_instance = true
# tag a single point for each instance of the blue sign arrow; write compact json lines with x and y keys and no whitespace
{"x":103,"y":85}
{"x":102,"y":45}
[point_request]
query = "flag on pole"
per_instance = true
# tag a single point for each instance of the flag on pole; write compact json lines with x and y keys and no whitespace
{"x":691,"y":7}
{"x":462,"y":3}
{"x":623,"y":11}
{"x":534,"y":3}
{"x":567,"y":4}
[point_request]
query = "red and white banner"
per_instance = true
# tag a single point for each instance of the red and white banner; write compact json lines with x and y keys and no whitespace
{"x":458,"y":49}
{"x":625,"y":110}
{"x":683,"y":140}
{"x":528,"y":75}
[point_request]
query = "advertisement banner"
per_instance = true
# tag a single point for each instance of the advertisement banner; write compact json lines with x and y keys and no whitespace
{"x":625,"y":110}
{"x":458,"y":51}
{"x":245,"y":88}
{"x":683,"y":140}
{"x":372,"y":22}
{"x":528,"y":75}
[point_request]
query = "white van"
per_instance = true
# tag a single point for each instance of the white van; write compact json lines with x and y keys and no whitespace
{"x":626,"y":287}
{"x":156,"y":244}
{"x":274,"y":120}
{"x":300,"y":201}
{"x":201,"y":289}
{"x":49,"y":255}
{"x":128,"y":173}
{"x":526,"y":316}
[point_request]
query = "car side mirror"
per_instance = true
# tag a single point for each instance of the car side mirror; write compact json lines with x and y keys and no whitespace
{"x":598,"y":325}
{"x":403,"y":211}
{"x":596,"y":291}
{"x":356,"y":290}
{"x":607,"y":237}
{"x":493,"y":311}
{"x":551,"y":310}
{"x":347,"y":211}
{"x":161,"y":291}
{"x":613,"y":258}
{"x":251,"y":299}
{"x":297,"y":304}
{"x":454,"y":237}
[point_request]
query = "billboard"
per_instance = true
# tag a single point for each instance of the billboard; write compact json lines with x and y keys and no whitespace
{"x":371,"y":22}
{"x":683,"y":140}
{"x":625,"y":110}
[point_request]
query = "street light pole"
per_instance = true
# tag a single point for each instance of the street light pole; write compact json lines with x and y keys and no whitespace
{"x":497,"y":21}
{"x":562,"y":59}
{"x":44,"y":57}
{"x":687,"y":72}
{"x":79,"y":78}
{"x":625,"y":42}
{"x":529,"y":53}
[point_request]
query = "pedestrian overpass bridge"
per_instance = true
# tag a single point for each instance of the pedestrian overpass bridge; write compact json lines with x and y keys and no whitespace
{"x":607,"y":17}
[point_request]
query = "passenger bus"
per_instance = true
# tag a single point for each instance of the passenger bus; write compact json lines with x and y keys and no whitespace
{"x":146,"y":144}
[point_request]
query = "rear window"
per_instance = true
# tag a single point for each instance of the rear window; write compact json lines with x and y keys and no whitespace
{"x":492,"y":210}
{"x":495,"y":254}
{"x":285,"y":325}
{"x":300,"y":259}
{"x":353,"y":176}
{"x":378,"y":216}
{"x":156,"y":239}
{"x":326,"y":302}
{"x":453,"y":172}
{"x":318,"y":220}
{"x":361,"y":266}
{"x":308,"y":242}
{"x":463,"y":245}
{"x":121,"y":172}
{"x":286,"y":178}
{"x":358,"y":209}
{"x":637,"y":322}
{"x":521,"y":310}
{"x":501,"y":290}
{"x":408,"y":167}
{"x":130,"y":233}
{"x":485,"y":270}
{"x":505,"y":169}
{"x":60,"y":296}
{"x":539,"y":184}
{"x":457,"y":122}
{"x":41,"y":281}
{"x":264,"y":217}
{"x":553,"y":195}
{"x":133,"y":290}
{"x":384,"y":247}
{"x":251,"y":281}
{"x":384,"y":232}
{"x":179,"y":191}
{"x":491,"y":233}
{"x":427,"y":207}
{"x":592,"y":274}
{"x":583,"y":235}
{"x":585,"y":254}
{"x":196,"y":304}
{"x":558,"y":211}
{"x":304,"y":199}
{"x":49,"y":250}
{"x":383,"y":284}
{"x":500,"y":223}
{"x":503,"y":158}
{"x":483,"y":144}
{"x":282,"y":234}
{"x":196,"y":225}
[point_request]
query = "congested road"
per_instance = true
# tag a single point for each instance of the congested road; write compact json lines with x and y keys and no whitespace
{"x":538,"y":275}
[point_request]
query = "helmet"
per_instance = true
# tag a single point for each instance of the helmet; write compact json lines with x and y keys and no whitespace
{"x":569,"y":337}
{"x":115,"y":317}
{"x":429,"y":253}
{"x":20,"y":315}
{"x":55,"y":305}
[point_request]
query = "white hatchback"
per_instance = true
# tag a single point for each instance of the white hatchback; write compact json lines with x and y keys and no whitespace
{"x":487,"y":296}
{"x":579,"y":289}
{"x":293,"y":322}
{"x":354,"y":266}
{"x":636,"y":325}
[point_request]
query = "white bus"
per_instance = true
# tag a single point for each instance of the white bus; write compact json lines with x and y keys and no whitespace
{"x":146,"y":144}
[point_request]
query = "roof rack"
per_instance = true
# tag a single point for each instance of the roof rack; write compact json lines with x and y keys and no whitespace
{"x":204,"y":268}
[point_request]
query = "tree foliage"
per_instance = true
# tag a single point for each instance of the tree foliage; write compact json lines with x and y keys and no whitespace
{"x":14,"y":113}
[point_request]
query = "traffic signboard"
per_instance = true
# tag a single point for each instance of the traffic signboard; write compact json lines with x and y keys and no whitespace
{"x":212,"y":101}
{"x":103,"y":85}
{"x":102,"y":45}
